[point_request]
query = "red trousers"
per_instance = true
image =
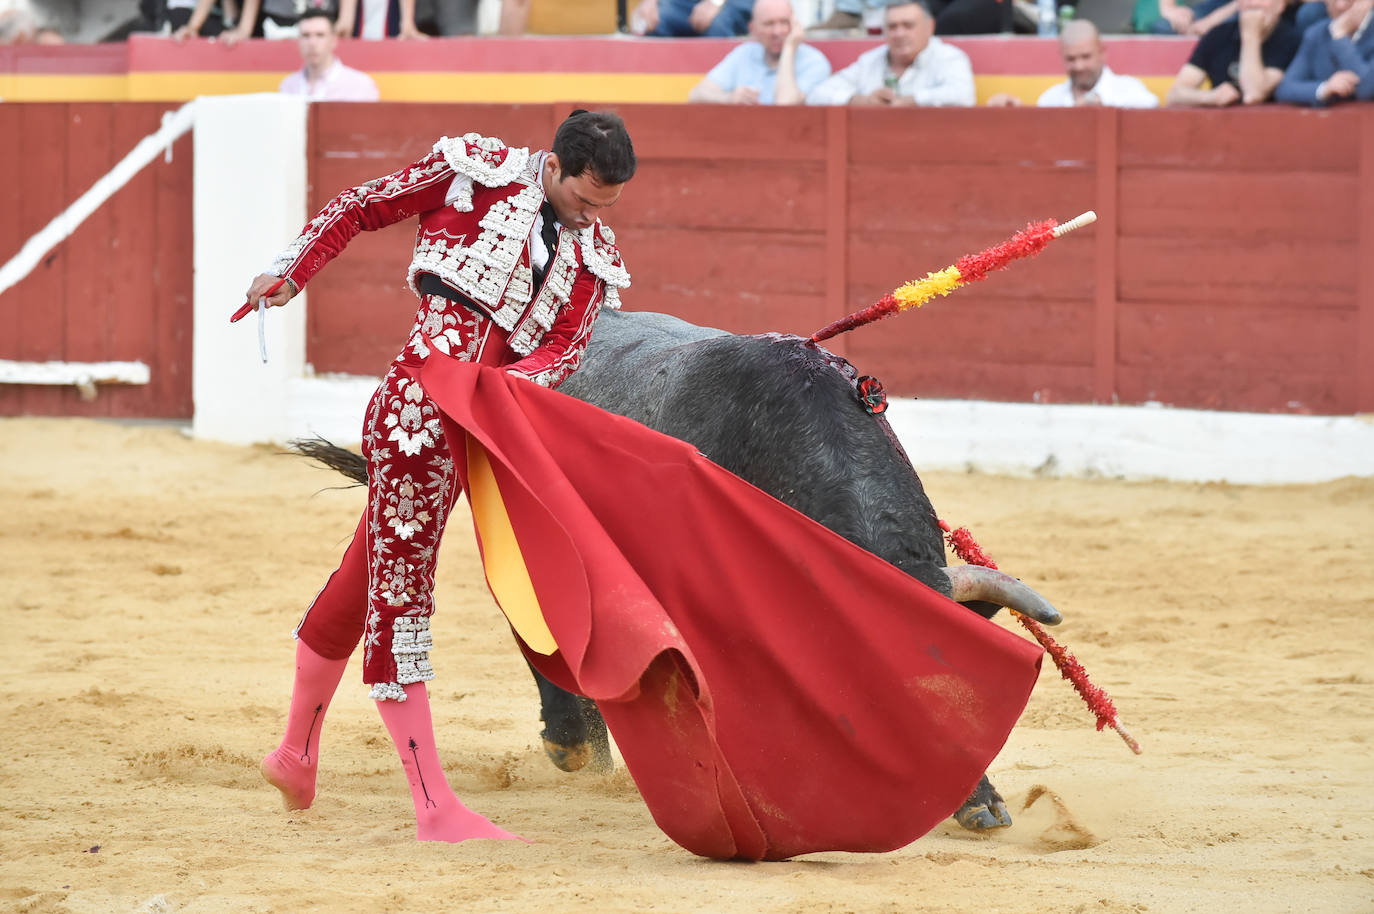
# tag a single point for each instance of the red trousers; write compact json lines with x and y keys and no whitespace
{"x":384,"y":586}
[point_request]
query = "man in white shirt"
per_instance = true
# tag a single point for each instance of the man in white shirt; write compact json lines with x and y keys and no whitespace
{"x":1091,"y":81}
{"x":773,"y":69}
{"x":324,"y":78}
{"x":913,"y":67}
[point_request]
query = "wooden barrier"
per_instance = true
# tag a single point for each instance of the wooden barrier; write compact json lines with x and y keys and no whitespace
{"x":1223,"y":272}
{"x":119,"y":289}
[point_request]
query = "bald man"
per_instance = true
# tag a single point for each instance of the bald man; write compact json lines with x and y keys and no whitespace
{"x":1090,"y":82}
{"x":773,"y":69}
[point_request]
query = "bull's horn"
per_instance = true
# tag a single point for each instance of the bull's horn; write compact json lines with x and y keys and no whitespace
{"x":974,"y":582}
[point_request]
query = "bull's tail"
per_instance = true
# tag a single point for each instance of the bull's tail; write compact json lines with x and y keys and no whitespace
{"x":332,"y":457}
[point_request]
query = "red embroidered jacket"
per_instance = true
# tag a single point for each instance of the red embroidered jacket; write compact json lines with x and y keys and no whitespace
{"x":477,"y":200}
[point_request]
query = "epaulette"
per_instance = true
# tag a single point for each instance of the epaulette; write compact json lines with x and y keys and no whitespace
{"x":484,"y":159}
{"x":602,"y":257}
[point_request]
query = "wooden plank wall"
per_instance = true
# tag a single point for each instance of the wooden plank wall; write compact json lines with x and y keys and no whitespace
{"x":120,"y":288}
{"x":1224,"y":272}
{"x":1239,"y":252}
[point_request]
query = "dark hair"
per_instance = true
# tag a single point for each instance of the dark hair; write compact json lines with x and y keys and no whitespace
{"x":923,"y":4}
{"x":317,"y":12}
{"x":595,"y":140}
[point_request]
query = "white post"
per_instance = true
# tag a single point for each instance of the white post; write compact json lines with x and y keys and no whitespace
{"x":250,"y":180}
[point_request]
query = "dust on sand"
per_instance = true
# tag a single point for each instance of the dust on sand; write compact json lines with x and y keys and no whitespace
{"x":151,"y":584}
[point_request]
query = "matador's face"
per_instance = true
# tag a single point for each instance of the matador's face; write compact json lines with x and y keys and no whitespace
{"x":579,"y":199}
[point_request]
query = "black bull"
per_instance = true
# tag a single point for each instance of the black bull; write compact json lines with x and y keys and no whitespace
{"x":786,"y":417}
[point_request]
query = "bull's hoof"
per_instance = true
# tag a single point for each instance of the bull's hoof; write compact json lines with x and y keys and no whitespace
{"x":587,"y":746}
{"x":569,"y":758}
{"x":982,"y":817}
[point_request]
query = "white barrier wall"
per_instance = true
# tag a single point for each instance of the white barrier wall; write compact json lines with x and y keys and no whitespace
{"x":1133,"y":442}
{"x":250,"y":192}
{"x":249,"y":201}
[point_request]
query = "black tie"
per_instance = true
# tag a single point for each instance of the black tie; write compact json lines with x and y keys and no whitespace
{"x":550,"y":235}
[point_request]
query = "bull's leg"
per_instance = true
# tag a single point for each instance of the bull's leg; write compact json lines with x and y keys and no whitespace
{"x":574,"y":733}
{"x":984,"y":810}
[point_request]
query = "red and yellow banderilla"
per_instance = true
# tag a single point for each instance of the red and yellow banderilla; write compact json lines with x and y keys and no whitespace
{"x":969,"y":268}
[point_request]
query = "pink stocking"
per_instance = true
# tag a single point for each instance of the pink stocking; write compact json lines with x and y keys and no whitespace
{"x":439,"y":814}
{"x":291,"y":767}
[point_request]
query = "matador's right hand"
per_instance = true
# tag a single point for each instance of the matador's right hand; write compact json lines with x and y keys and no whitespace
{"x":276,"y":290}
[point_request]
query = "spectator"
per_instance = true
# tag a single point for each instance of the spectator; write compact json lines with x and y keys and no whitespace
{"x":851,"y":16}
{"x":204,"y":19}
{"x":912,"y":67}
{"x":324,"y":78}
{"x":686,"y":18}
{"x":379,"y":19}
{"x":1174,"y":17}
{"x":18,"y":24}
{"x":952,"y":17}
{"x":773,"y":69}
{"x":168,"y":17}
{"x":457,"y":17}
{"x":1336,"y":59}
{"x":515,"y":16}
{"x":1091,"y":81}
{"x":1308,"y":14}
{"x":278,"y":19}
{"x":1243,"y":58}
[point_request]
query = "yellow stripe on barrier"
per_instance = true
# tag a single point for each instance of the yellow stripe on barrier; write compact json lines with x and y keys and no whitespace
{"x":174,"y":86}
{"x":64,"y":88}
{"x":505,"y":88}
{"x":501,"y":557}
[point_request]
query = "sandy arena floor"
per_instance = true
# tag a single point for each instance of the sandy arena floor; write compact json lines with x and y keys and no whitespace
{"x":151,"y":583}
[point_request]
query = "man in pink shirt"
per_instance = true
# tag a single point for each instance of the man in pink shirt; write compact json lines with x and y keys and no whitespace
{"x":324,"y":78}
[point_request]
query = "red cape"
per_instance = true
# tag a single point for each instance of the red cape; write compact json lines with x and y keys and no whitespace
{"x":774,"y":689}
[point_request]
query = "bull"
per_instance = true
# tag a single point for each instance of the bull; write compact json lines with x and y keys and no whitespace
{"x":787,"y":417}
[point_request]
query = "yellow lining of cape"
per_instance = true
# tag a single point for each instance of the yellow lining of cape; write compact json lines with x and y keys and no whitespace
{"x":502,"y":560}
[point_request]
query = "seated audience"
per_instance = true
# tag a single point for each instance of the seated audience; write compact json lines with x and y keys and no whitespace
{"x":18,"y":23}
{"x":197,"y":18}
{"x":373,"y":19}
{"x":1336,"y":59}
{"x":277,"y":19}
{"x":1091,"y":81}
{"x":1175,"y":17}
{"x":773,"y":69}
{"x":911,"y":67}
{"x":685,"y":18}
{"x":1243,"y":59}
{"x":952,"y":17}
{"x":324,"y":77}
{"x":457,"y":17}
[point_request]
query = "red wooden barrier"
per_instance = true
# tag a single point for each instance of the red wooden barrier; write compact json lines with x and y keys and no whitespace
{"x":120,"y":288}
{"x":1223,"y":272}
